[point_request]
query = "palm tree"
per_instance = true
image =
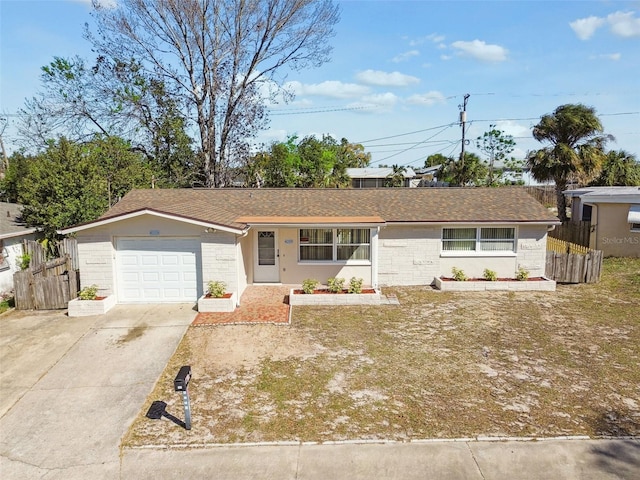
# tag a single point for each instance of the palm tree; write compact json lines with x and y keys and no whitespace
{"x":396,"y":177}
{"x":576,"y":139}
{"x":620,"y":168}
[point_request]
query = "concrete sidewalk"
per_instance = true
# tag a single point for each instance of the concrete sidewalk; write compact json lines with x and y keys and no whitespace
{"x":484,"y":460}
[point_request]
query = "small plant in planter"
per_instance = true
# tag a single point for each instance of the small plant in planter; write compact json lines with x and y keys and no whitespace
{"x":216,"y":289}
{"x":355,"y":285}
{"x":490,"y":275}
{"x":458,"y":275}
{"x":309,"y":285}
{"x":88,"y":293}
{"x":522,"y":274}
{"x":335,"y":284}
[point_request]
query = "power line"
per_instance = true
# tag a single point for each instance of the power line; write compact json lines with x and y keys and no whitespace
{"x":405,"y":134}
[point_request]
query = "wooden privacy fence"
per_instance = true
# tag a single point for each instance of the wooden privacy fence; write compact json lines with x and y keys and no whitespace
{"x":571,"y":263}
{"x":38,"y":254}
{"x":47,"y":286}
{"x":574,"y":232}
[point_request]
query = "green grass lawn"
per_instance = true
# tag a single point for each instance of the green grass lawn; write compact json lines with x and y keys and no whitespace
{"x":440,"y":365}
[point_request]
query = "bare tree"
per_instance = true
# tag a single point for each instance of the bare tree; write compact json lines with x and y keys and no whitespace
{"x":218,"y":55}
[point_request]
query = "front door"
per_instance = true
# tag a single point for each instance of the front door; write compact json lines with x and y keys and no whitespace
{"x":266,"y":268}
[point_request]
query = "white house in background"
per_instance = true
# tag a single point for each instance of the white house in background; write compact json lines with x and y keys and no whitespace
{"x":614,"y":214}
{"x":166,"y":245}
{"x":12,"y":233}
{"x":376,"y":177}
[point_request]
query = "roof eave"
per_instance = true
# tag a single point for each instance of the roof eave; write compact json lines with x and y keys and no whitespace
{"x":26,"y":231}
{"x":147,"y":211}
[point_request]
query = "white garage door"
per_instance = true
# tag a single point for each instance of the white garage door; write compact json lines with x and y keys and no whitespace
{"x":157,"y":270}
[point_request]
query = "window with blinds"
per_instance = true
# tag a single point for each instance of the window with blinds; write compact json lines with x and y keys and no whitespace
{"x":334,"y":244}
{"x":484,"y":239}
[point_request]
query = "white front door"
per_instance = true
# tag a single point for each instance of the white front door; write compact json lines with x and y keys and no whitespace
{"x":267,"y":267}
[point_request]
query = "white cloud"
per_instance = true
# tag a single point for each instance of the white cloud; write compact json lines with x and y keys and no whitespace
{"x":376,"y":103}
{"x":584,"y":28}
{"x":624,"y":24}
{"x":426,"y":99}
{"x":445,"y":57}
{"x":403,"y":57}
{"x":481,"y":51}
{"x":386,"y":79}
{"x":606,"y":56}
{"x":509,"y":127}
{"x":434,"y":37}
{"x":330,"y":88}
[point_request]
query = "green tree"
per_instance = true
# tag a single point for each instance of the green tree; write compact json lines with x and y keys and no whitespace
{"x":396,"y":177}
{"x":435,"y":160}
{"x":112,"y":99}
{"x":310,"y":163}
{"x":71,"y":183}
{"x":461,"y":174}
{"x":619,"y":168}
{"x":576,"y":141}
{"x":497,"y":147}
{"x":219,"y":57}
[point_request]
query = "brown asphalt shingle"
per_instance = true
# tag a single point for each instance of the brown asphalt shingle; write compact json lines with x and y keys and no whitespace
{"x":437,"y":205}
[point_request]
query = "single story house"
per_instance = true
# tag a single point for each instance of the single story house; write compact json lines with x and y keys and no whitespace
{"x":377,"y":177}
{"x":12,"y":233}
{"x":614,"y":215}
{"x":166,"y":245}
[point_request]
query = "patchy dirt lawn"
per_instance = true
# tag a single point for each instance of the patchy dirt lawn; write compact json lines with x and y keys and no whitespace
{"x":440,"y":365}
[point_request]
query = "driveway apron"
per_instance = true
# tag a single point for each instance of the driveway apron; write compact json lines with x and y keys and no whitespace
{"x":75,"y":399}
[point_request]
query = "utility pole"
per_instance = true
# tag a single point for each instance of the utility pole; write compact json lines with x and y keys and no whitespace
{"x":463,"y":122}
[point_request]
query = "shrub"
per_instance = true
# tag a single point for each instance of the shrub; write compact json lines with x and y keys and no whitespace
{"x":309,"y":285}
{"x":355,"y":285}
{"x":458,"y":275}
{"x":522,"y":274}
{"x":23,"y":261}
{"x":216,"y":288}
{"x":88,"y":293}
{"x":335,"y":284}
{"x":490,"y":275}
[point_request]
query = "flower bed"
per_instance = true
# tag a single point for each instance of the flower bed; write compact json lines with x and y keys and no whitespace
{"x":323,"y":296}
{"x":226,"y":303}
{"x":480,"y":284}
{"x":85,"y":308}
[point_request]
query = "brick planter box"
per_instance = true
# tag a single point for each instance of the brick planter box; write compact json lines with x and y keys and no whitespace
{"x":223,"y":304}
{"x":334,"y":298}
{"x":544,"y":285}
{"x":86,"y":308}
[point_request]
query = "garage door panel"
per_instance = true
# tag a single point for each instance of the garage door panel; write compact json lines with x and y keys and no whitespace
{"x":157,"y":270}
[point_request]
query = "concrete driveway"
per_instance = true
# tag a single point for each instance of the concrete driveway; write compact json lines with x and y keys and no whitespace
{"x":72,"y":386}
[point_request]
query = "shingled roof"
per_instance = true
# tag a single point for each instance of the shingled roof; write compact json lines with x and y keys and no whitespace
{"x":238,"y":208}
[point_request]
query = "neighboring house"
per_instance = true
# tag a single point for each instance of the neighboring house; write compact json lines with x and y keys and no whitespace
{"x":166,"y":245}
{"x":614,"y":214}
{"x":12,"y":233}
{"x":372,"y":177}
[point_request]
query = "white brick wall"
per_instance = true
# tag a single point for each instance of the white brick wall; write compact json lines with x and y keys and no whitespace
{"x":532,"y":249}
{"x":220,"y":259}
{"x":97,"y":258}
{"x":408,"y":255}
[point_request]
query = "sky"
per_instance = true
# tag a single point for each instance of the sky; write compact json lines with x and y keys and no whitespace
{"x":400,"y":70}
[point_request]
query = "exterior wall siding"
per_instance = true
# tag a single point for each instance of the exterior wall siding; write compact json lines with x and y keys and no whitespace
{"x":97,"y":261}
{"x":412,"y":256}
{"x":408,"y":255}
{"x":613,"y":233}
{"x":220,"y":259}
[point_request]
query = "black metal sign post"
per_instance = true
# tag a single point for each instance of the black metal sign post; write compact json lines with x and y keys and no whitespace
{"x":181,"y":384}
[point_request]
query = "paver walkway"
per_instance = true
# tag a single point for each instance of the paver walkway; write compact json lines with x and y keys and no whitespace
{"x":258,"y":304}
